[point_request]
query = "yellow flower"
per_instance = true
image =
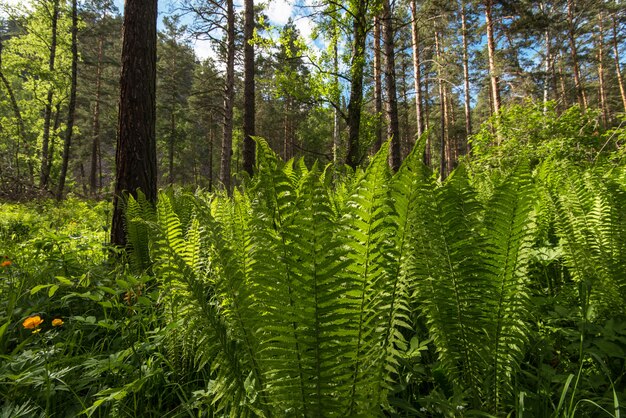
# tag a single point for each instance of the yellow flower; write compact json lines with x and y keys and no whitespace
{"x":5,"y":263}
{"x":57,"y":322}
{"x":35,"y":331}
{"x":32,"y":322}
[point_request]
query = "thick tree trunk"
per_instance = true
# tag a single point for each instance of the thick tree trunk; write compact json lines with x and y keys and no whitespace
{"x":378,"y":97}
{"x":580,"y":91}
{"x":359,"y":26}
{"x":95,"y":144}
{"x":466,"y":82}
{"x":618,"y":71}
{"x":135,"y":159}
{"x":491,"y":52}
{"x":44,"y":172}
{"x":602,"y":83}
{"x":393,"y":126}
{"x":229,"y":97}
{"x":248,"y":149}
{"x":72,"y":105}
{"x":417,"y":81}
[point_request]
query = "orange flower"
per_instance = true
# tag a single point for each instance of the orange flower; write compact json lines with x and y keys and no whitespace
{"x":57,"y":322}
{"x":32,"y":322}
{"x":5,"y":263}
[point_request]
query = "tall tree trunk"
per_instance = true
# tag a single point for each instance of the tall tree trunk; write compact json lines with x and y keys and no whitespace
{"x":135,"y":160}
{"x":408,"y":141}
{"x":564,"y":101}
{"x":546,"y":69}
{"x":336,"y":133}
{"x":72,"y":105}
{"x":359,"y":27}
{"x":393,"y":126}
{"x":443,"y":108}
{"x":602,"y":84}
{"x":378,"y":97}
{"x":95,"y":144}
{"x":466,"y":82}
{"x":210,"y":157}
{"x":417,"y":80}
{"x":428,"y":148}
{"x":170,"y":156}
{"x":229,"y":97}
{"x":248,"y":149}
{"x":44,"y":172}
{"x":618,"y":71}
{"x":580,"y":91}
{"x":491,"y":52}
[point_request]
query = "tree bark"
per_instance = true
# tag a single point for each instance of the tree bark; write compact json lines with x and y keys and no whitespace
{"x":378,"y":98}
{"x":602,"y":83}
{"x":393,"y":126}
{"x":229,"y":97}
{"x":580,"y":91}
{"x":135,"y":159}
{"x":44,"y":172}
{"x":170,"y":157}
{"x":359,"y":28}
{"x":466,"y":83}
{"x":95,"y":144}
{"x":443,"y":109}
{"x":248,"y":149}
{"x":72,"y":104}
{"x":336,"y":131}
{"x":546,"y":68}
{"x":618,"y":71}
{"x":417,"y":81}
{"x":491,"y":52}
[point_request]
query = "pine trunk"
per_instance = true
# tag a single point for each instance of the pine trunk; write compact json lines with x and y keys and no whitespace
{"x":353,"y":151}
{"x":580,"y":91}
{"x":466,"y":82}
{"x":378,"y":98}
{"x":393,"y":126}
{"x":229,"y":97}
{"x":135,"y":160}
{"x":248,"y":149}
{"x":419,"y":114}
{"x":602,"y":84}
{"x":616,"y":58}
{"x":491,"y":51}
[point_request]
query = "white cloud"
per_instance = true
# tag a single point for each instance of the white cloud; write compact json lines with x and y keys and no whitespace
{"x":279,"y":11}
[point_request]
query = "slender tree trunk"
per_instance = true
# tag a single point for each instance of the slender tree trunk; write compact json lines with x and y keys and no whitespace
{"x":95,"y":144}
{"x":466,"y":82}
{"x":564,"y":100}
{"x":44,"y":172}
{"x":408,"y":141}
{"x":248,"y":149}
{"x":580,"y":91}
{"x":336,"y":133}
{"x":72,"y":104}
{"x":417,"y":81}
{"x":229,"y":97}
{"x":170,"y":157}
{"x":618,"y":71}
{"x":378,"y":98}
{"x":602,"y":83}
{"x":546,"y":68}
{"x":393,"y":126}
{"x":443,"y":108}
{"x":135,"y":160}
{"x":491,"y":52}
{"x":428,"y":148}
{"x":359,"y":26}
{"x":210,"y":158}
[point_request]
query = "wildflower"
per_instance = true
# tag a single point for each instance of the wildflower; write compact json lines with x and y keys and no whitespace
{"x":57,"y":322}
{"x":32,"y":322}
{"x":35,"y":331}
{"x":5,"y":263}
